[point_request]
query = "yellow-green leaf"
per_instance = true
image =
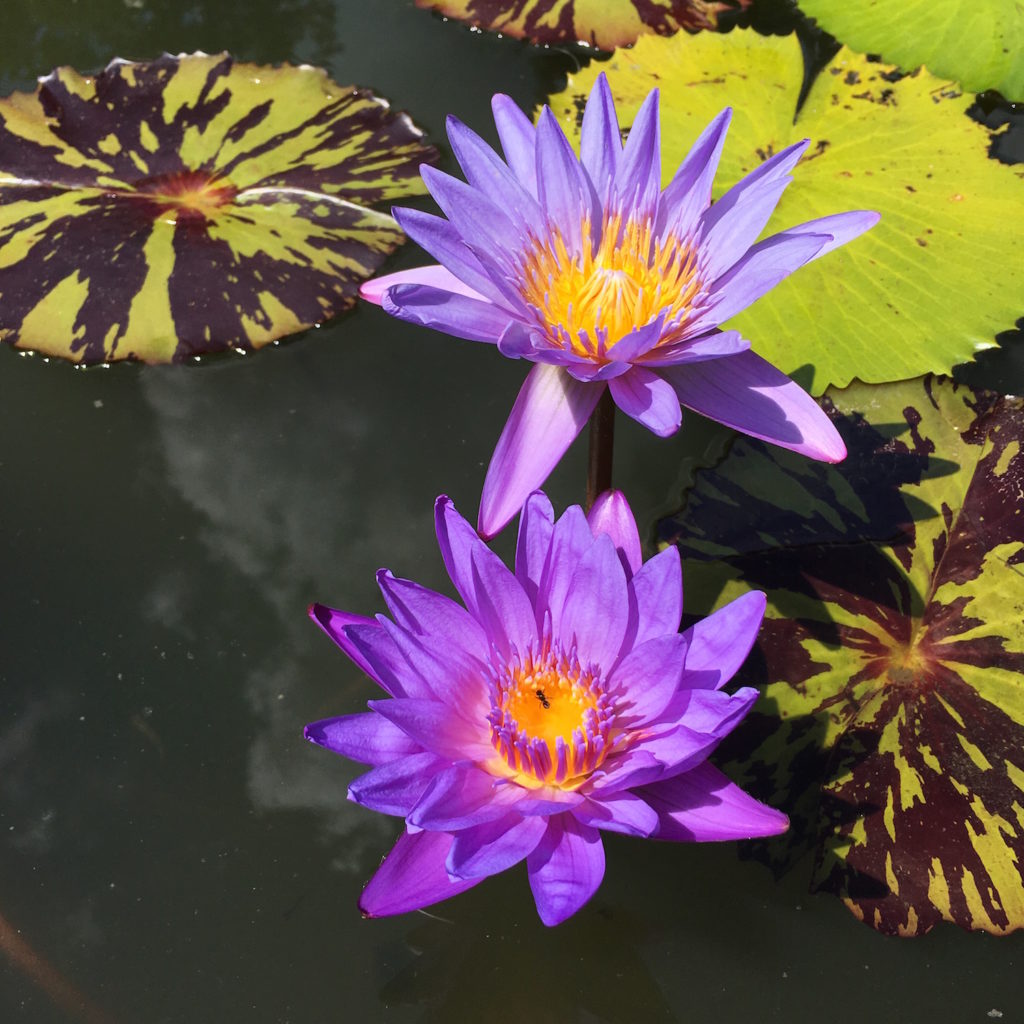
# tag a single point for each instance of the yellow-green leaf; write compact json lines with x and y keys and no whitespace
{"x":605,"y":24}
{"x":891,"y":726}
{"x":932,"y":283}
{"x":191,"y":204}
{"x":975,"y":42}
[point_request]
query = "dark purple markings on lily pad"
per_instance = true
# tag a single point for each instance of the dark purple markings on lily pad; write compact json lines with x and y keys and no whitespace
{"x":191,"y":204}
{"x":892,"y":658}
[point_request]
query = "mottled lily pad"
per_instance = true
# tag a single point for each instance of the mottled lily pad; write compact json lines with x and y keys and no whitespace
{"x":605,"y":24}
{"x":933,"y":283}
{"x":975,"y":42}
{"x":891,"y":726}
{"x":190,"y":204}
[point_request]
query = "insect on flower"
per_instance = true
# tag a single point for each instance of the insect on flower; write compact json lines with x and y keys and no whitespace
{"x":557,"y":701}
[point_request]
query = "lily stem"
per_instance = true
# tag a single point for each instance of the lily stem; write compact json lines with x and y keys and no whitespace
{"x":602,"y":443}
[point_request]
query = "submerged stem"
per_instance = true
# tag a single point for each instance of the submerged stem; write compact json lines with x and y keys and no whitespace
{"x":602,"y":443}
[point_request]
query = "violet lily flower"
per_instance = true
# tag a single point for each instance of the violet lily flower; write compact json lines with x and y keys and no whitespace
{"x":586,"y":267}
{"x":559,"y":702}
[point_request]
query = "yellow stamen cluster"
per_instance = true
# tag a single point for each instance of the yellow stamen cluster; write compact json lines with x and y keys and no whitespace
{"x":592,"y":300}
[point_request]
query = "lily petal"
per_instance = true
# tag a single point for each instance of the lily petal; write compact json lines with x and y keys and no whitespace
{"x":565,"y":869}
{"x":365,"y":737}
{"x":612,"y":515}
{"x":648,"y":399}
{"x":495,"y":846}
{"x":445,"y":311}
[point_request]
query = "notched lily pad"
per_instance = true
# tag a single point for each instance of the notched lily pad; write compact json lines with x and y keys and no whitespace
{"x":605,"y":24}
{"x":891,"y":726}
{"x":190,"y":204}
{"x":930,"y":285}
{"x":975,"y":42}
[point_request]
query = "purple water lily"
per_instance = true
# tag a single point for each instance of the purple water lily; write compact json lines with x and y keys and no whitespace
{"x":586,"y":267}
{"x":559,"y":702}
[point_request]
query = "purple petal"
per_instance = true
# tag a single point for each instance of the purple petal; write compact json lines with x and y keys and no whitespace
{"x":396,"y":787}
{"x":657,"y":591}
{"x":756,"y":273}
{"x":495,"y":846}
{"x":637,"y":343}
{"x":638,"y":180}
{"x":730,"y":226}
{"x":366,"y":738}
{"x":335,"y":624}
{"x":565,"y":869}
{"x":702,"y":805}
{"x":440,"y":238}
{"x":703,"y":718}
{"x":720,"y":643}
{"x":491,"y":593}
{"x":612,"y":515}
{"x":647,"y":679}
{"x":424,"y":611}
{"x":600,"y":141}
{"x":521,"y":341}
{"x":412,"y":876}
{"x":695,"y":350}
{"x":596,"y":609}
{"x":649,"y":400}
{"x":533,"y":543}
{"x":624,"y":771}
{"x":549,"y":413}
{"x":618,"y":812}
{"x":843,"y":227}
{"x":432,"y":276}
{"x":485,"y":171}
{"x":458,"y":798}
{"x":750,"y":395}
{"x":435,"y":728}
{"x":688,"y":194}
{"x":571,"y":539}
{"x":518,"y":140}
{"x":375,"y":646}
{"x":457,"y":315}
{"x":566,"y":195}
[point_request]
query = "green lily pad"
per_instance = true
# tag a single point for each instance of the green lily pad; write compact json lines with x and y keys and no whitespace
{"x":190,"y":204}
{"x":932,"y":283}
{"x":605,"y":24}
{"x":891,"y":725}
{"x":975,"y":42}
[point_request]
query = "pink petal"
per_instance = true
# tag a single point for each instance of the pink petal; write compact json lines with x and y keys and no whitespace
{"x":412,"y":876}
{"x":749,"y":394}
{"x":551,"y":410}
{"x":434,"y":275}
{"x":612,"y":515}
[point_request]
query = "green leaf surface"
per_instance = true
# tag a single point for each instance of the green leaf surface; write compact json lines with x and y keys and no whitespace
{"x":605,"y":24}
{"x":891,"y":725}
{"x":190,"y":204}
{"x":977,"y":43}
{"x":931,"y":284}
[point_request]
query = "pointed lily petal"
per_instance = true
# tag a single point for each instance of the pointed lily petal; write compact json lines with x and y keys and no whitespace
{"x":618,"y":812}
{"x":565,"y":869}
{"x":396,"y":787}
{"x":366,"y":738}
{"x":435,"y":728}
{"x":702,"y":805}
{"x":638,"y":180}
{"x":571,"y":539}
{"x":534,"y":541}
{"x":658,"y":596}
{"x":709,"y":346}
{"x":518,"y":140}
{"x":549,"y":413}
{"x":750,"y":395}
{"x":843,"y":227}
{"x":720,"y":643}
{"x":334,"y":623}
{"x":433,"y":276}
{"x":492,"y":594}
{"x":648,"y":399}
{"x":461,"y":797}
{"x":495,"y":846}
{"x":412,"y":876}
{"x":612,"y":515}
{"x":600,"y":141}
{"x":448,"y":312}
{"x":647,"y":679}
{"x":566,"y":195}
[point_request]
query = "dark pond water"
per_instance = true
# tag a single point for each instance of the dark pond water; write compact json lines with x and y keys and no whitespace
{"x":171,"y":850}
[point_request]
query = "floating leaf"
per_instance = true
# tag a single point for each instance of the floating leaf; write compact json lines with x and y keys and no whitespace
{"x":605,"y":24}
{"x":892,"y":655}
{"x":975,"y":42}
{"x":927,"y":287}
{"x":190,"y":204}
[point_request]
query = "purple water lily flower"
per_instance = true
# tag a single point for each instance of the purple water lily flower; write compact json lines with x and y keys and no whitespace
{"x":559,"y":702}
{"x":586,"y":267}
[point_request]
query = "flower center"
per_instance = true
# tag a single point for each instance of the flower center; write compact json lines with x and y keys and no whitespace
{"x":549,"y":718}
{"x":624,"y":281}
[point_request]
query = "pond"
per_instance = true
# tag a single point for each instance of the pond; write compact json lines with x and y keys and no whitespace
{"x":171,"y":849}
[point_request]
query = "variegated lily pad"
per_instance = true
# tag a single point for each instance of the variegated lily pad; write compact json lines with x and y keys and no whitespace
{"x":892,"y":657}
{"x":605,"y":24}
{"x":191,"y":204}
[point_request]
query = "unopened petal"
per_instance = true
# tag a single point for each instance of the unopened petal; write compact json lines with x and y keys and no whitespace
{"x":612,"y":515}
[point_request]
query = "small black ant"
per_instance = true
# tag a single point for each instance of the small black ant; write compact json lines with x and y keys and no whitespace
{"x":544,"y":702}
